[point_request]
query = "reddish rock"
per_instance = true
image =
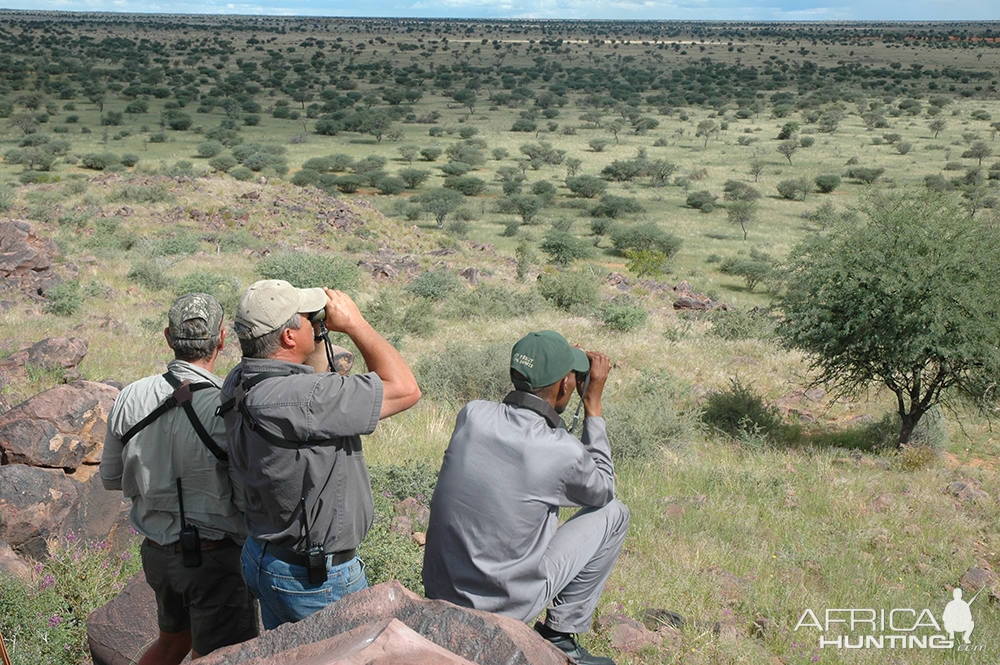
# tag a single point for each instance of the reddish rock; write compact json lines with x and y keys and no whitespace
{"x":975,"y":579}
{"x":11,"y":564}
{"x":687,"y":302}
{"x":57,"y":352}
{"x":26,"y":258}
{"x":33,"y":502}
{"x":626,"y":634}
{"x":119,"y":632}
{"x":470,"y":274}
{"x":416,"y":511}
{"x":98,"y":513}
{"x":480,"y":637}
{"x":385,"y":642}
{"x":61,"y":427}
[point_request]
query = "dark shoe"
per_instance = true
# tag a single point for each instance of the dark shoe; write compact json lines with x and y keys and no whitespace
{"x":566,"y":642}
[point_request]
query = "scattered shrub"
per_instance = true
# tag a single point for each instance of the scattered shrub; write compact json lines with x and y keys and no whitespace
{"x":64,"y":299}
{"x":465,"y":372}
{"x":646,"y":236}
{"x":150,"y":275}
{"x":305,"y":270}
{"x":575,"y":292}
{"x":644,"y":416}
{"x":624,"y":317}
{"x":827,"y":183}
{"x":740,"y":410}
{"x":434,"y":284}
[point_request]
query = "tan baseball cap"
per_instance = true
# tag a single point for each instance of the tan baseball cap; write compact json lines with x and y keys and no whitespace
{"x":269,"y":304}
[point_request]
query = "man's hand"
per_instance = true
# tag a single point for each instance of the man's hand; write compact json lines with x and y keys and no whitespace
{"x":342,"y":315}
{"x":399,"y":388}
{"x":600,"y":366}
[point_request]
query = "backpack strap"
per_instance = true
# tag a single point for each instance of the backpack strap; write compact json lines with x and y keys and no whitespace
{"x":181,"y":396}
{"x":238,"y":401}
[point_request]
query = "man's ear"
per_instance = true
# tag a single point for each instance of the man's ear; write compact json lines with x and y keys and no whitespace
{"x":166,"y":334}
{"x":288,"y":338}
{"x":222,"y":340}
{"x":564,"y":387}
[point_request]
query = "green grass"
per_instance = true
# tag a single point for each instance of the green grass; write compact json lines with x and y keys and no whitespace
{"x":822,"y":516}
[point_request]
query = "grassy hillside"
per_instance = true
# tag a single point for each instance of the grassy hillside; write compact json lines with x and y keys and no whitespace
{"x":749,"y":530}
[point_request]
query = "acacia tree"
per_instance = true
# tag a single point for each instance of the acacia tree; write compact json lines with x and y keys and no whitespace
{"x":907,"y":297}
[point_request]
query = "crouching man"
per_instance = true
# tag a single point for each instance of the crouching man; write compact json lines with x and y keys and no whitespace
{"x":295,"y":441}
{"x":494,"y":542}
{"x":166,"y":449}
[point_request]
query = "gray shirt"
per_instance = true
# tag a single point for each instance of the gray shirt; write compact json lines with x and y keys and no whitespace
{"x":148,"y":467}
{"x":506,"y":472}
{"x":327,"y":412}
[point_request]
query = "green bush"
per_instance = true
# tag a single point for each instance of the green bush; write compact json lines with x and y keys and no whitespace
{"x":586,"y":186}
{"x":643,"y":416}
{"x":237,"y":241}
{"x":348,"y":184}
{"x":99,"y":161}
{"x":130,"y":159}
{"x":563,"y":248}
{"x":149,"y":274}
{"x":241,"y":173}
{"x":209,"y":149}
{"x":794,"y":190}
{"x":395,"y":316}
{"x":865,"y":175}
{"x":391,"y":185}
{"x":613,"y":206}
{"x":434,"y":285}
{"x":159,"y":192}
{"x":489,"y":301}
{"x":740,"y":410}
{"x":467,"y":185}
{"x":108,"y":236}
{"x":646,"y":263}
{"x":736,"y":325}
{"x":179,"y":242}
{"x":224,"y":288}
{"x":465,"y":372}
{"x":64,"y":299}
{"x":575,"y":292}
{"x":414,"y":177}
{"x":827,"y":183}
{"x":305,"y":270}
{"x":646,"y":236}
{"x":625,"y":317}
{"x":702,"y":200}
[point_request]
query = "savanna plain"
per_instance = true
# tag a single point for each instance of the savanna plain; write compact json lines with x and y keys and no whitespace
{"x":582,"y":171}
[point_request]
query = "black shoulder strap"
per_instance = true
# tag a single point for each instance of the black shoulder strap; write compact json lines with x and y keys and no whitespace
{"x":181,"y":396}
{"x":239,"y":402}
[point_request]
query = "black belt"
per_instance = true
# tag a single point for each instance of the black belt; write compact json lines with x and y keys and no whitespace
{"x":205,"y":544}
{"x":299,"y":559}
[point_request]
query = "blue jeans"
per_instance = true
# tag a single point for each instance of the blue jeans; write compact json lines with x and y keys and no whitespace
{"x":284,"y":591}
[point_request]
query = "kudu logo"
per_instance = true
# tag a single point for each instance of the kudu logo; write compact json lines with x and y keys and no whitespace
{"x":898,"y":628}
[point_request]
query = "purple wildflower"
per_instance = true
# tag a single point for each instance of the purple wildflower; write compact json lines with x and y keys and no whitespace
{"x":54,"y":620}
{"x":46,"y":582}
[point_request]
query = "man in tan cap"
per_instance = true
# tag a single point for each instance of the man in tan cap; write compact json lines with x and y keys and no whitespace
{"x":166,"y":449}
{"x":295,"y":440}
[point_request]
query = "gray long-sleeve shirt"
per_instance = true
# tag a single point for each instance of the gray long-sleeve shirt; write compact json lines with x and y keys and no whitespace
{"x":505,"y":474}
{"x":148,"y":467}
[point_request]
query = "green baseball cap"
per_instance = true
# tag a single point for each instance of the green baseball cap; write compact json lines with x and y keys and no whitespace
{"x":543,"y":358}
{"x":194,"y":306}
{"x":269,"y":304}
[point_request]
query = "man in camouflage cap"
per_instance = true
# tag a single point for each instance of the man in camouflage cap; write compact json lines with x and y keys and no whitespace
{"x":164,"y":445}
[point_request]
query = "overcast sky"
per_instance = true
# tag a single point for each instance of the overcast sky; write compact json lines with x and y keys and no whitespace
{"x":714,"y":10}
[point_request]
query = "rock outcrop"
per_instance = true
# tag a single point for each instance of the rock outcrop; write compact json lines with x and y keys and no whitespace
{"x":386,"y":624}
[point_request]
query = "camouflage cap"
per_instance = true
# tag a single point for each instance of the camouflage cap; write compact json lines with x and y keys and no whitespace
{"x":195,"y":306}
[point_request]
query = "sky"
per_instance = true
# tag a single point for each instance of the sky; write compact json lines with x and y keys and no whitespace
{"x":709,"y":10}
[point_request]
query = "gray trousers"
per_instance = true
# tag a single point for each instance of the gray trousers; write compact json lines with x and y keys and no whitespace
{"x":578,"y":562}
